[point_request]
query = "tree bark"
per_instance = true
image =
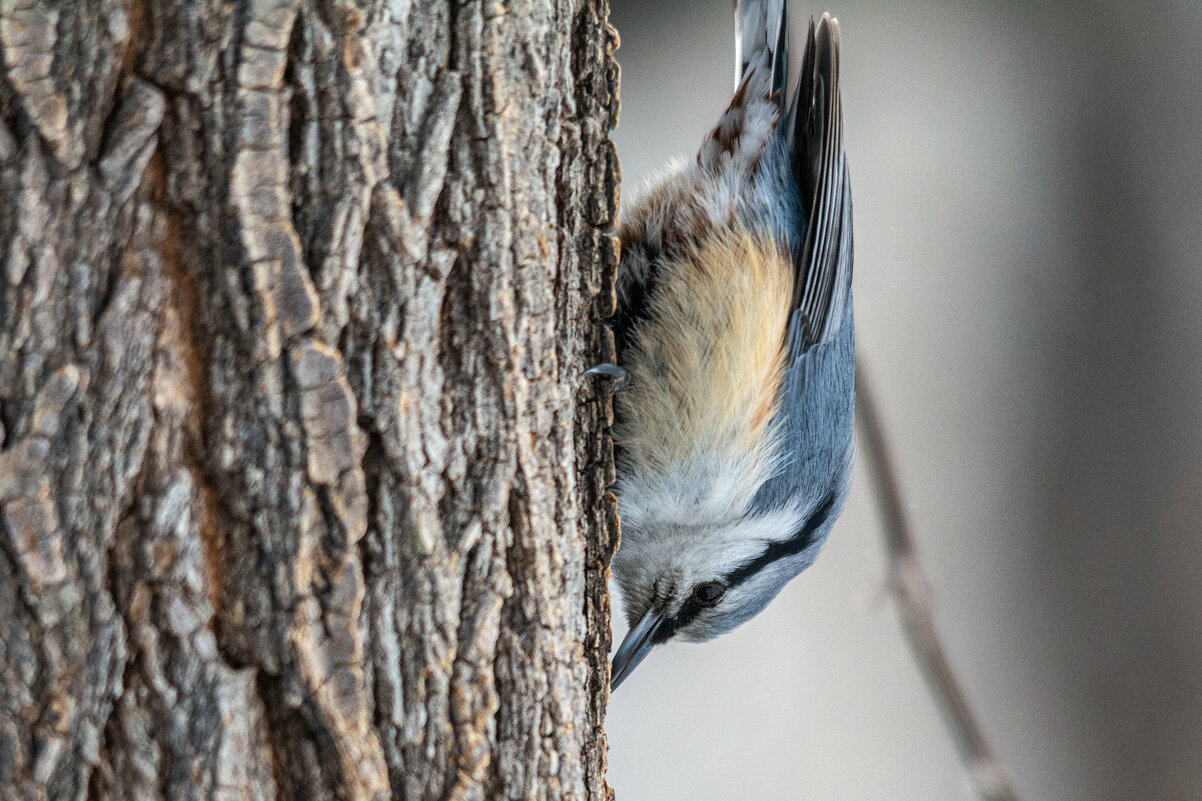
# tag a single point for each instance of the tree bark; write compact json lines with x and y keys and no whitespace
{"x":302,"y":496}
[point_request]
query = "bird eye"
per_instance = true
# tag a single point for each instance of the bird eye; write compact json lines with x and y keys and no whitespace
{"x":709,"y":593}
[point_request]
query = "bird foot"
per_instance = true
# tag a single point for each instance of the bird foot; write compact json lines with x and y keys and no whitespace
{"x":613,"y":371}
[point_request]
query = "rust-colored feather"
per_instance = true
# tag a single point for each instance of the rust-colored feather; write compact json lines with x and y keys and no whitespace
{"x":706,"y":366}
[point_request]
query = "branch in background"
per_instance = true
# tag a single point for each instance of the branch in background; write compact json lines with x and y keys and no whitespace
{"x":910,"y":588}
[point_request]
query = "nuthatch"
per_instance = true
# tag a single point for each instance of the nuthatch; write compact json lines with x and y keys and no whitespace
{"x":733,"y":432}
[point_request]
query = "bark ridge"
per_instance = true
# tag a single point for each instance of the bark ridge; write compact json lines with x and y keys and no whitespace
{"x":301,"y":495}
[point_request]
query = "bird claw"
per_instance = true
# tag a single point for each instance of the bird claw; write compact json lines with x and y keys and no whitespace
{"x":613,"y":371}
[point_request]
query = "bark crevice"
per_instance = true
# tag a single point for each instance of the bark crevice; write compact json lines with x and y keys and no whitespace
{"x":299,"y":495}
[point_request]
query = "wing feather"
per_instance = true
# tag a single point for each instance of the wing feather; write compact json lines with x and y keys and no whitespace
{"x":815,"y":144}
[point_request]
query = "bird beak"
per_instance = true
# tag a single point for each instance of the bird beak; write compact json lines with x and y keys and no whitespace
{"x":634,"y":649}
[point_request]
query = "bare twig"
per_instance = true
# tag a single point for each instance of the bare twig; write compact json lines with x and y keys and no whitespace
{"x":909,"y":587}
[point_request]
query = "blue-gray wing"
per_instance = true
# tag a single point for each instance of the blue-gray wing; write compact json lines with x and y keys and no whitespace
{"x":814,"y":141}
{"x":816,"y":409}
{"x":807,"y":163}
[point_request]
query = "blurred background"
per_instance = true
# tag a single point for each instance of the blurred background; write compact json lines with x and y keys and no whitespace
{"x":1028,"y":225}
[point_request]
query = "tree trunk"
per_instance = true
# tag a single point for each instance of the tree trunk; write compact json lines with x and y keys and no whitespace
{"x":302,"y":495}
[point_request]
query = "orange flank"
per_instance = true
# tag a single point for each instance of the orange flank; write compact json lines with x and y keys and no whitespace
{"x":705,"y":367}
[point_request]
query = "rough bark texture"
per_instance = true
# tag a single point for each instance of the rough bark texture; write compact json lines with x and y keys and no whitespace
{"x":301,"y":494}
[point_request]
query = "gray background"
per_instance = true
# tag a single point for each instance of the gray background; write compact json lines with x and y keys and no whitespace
{"x":1028,"y":222}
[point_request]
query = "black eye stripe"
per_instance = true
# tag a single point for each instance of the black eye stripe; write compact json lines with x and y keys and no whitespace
{"x":709,"y":593}
{"x":795,"y":544}
{"x":687,"y":614}
{"x":693,"y":606}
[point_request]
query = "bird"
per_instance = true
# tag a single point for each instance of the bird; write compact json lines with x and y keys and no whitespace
{"x":735,"y":351}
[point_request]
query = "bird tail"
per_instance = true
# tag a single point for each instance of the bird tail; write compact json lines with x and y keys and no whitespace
{"x":812,"y":128}
{"x":763,"y":25}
